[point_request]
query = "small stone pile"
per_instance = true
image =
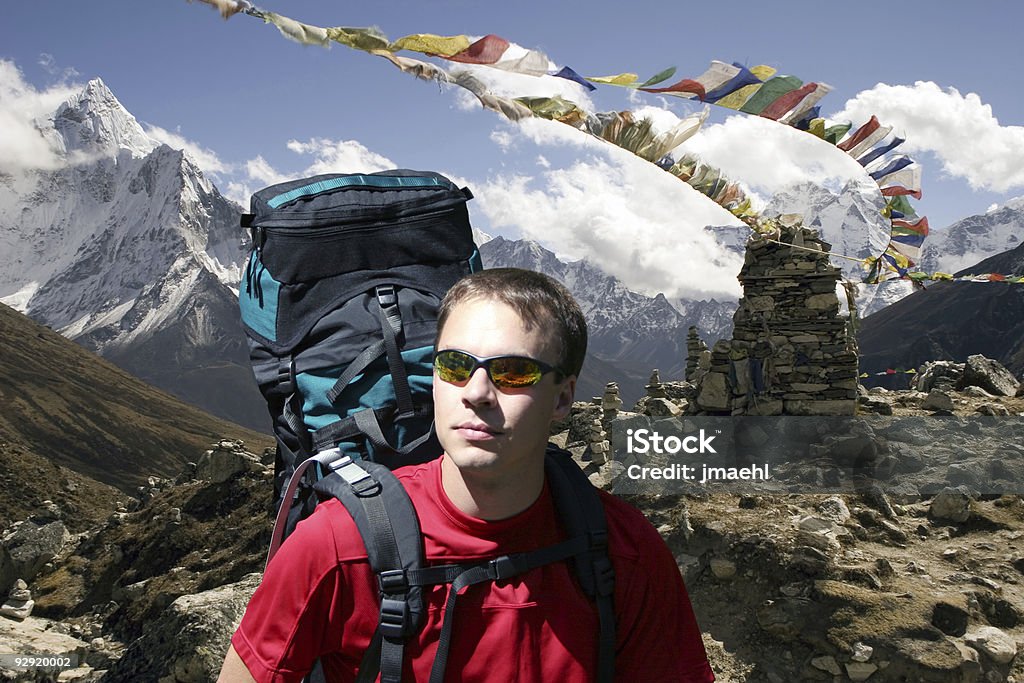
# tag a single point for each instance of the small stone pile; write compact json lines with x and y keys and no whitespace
{"x":654,"y":387}
{"x":611,"y":403}
{"x":598,"y":445}
{"x":790,"y":352}
{"x":695,"y":350}
{"x":657,"y":402}
{"x":19,"y":603}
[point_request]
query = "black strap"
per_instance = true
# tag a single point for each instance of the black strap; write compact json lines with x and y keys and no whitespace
{"x":391,"y":326}
{"x":368,"y":355}
{"x":500,"y":568}
{"x":387,"y":522}
{"x":366,"y":423}
{"x":581,"y":511}
{"x":369,"y":667}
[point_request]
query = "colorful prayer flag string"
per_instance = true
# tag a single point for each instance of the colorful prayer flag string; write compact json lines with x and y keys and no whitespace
{"x":757,"y":90}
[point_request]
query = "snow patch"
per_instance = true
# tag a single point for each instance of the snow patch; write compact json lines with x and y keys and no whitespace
{"x":19,"y":299}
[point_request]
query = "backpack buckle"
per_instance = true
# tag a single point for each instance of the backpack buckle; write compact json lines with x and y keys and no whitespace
{"x":387,"y":296}
{"x":393,"y":581}
{"x":502,"y":567}
{"x":393,"y":615}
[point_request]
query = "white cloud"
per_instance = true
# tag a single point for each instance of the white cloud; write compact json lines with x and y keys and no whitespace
{"x":768,"y":157}
{"x":344,"y":156}
{"x":206,"y":158}
{"x":49,"y":64}
{"x":503,"y":138}
{"x":22,"y":146}
{"x":329,"y":156}
{"x":240,"y":193}
{"x":261,"y":171}
{"x":960,"y":130}
{"x":627,"y":216}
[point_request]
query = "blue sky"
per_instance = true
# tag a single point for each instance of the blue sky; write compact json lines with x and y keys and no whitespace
{"x":254,"y":107}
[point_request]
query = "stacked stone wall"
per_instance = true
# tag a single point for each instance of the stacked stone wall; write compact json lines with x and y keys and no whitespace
{"x":791,"y":352}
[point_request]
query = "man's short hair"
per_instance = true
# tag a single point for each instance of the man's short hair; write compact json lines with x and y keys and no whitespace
{"x":541,"y":301}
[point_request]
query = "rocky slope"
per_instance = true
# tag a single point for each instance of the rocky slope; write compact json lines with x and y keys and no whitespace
{"x":787,"y":587}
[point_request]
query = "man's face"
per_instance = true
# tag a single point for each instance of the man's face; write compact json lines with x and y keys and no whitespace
{"x":497,"y":432}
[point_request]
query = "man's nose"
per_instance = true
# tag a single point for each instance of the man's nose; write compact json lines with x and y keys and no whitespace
{"x":479,"y":389}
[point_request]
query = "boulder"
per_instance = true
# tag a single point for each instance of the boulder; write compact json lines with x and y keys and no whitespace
{"x":990,"y":375}
{"x":28,"y":546}
{"x":221,"y":464}
{"x":1000,"y":647}
{"x":937,"y":400}
{"x":187,"y":643}
{"x":952,"y":504}
{"x":993,"y":409}
{"x":662,"y":407}
{"x":860,"y":671}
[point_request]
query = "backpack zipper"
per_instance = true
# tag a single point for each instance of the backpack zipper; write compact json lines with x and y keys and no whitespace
{"x":343,"y":228}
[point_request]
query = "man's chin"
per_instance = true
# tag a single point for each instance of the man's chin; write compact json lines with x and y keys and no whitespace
{"x":471,"y":457}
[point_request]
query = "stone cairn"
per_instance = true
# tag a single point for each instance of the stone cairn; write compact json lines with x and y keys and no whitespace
{"x":695,"y":348}
{"x":654,"y":387}
{"x":610,"y":403}
{"x":791,"y":353}
{"x":657,"y":403}
{"x":19,"y":603}
{"x":598,"y":444}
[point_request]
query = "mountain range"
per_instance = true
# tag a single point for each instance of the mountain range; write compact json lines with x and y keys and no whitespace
{"x":629,"y":334}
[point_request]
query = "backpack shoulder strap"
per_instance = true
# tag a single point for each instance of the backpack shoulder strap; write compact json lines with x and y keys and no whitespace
{"x":387,"y":522}
{"x":581,"y":511}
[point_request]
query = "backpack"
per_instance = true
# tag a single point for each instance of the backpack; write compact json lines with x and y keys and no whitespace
{"x":339,"y":306}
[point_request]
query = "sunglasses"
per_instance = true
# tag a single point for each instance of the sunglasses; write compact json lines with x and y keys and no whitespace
{"x":508,"y":372}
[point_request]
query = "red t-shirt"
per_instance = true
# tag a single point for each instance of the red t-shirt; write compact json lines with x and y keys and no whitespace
{"x":319,"y":599}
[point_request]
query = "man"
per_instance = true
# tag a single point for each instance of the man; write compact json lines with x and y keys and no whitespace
{"x":509,"y":349}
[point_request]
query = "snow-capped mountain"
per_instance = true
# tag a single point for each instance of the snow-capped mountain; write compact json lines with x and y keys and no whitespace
{"x":633,"y":332}
{"x":852,"y":222}
{"x":975,"y":238}
{"x":130,"y":250}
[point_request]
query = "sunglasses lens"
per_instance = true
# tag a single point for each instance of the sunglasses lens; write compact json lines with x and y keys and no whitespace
{"x":453,"y":366}
{"x":513,"y":371}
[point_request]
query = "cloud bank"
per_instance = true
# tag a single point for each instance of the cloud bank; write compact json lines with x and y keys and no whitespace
{"x":960,"y":130}
{"x":22,"y":146}
{"x":625,"y":215}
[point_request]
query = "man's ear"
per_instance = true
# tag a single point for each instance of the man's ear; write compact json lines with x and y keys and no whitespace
{"x":563,"y":402}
